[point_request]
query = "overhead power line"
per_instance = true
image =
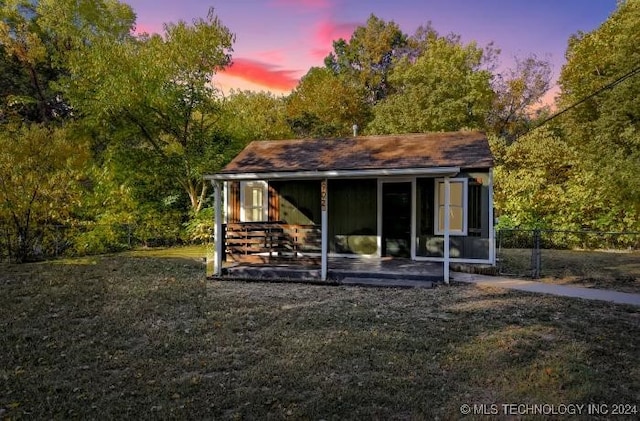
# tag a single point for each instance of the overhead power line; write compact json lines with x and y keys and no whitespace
{"x":588,"y":97}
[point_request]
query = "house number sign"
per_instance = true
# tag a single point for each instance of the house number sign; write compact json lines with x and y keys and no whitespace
{"x":323,"y":195}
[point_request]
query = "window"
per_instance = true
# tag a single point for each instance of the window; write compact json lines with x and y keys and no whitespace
{"x":457,"y":206}
{"x":253,"y":197}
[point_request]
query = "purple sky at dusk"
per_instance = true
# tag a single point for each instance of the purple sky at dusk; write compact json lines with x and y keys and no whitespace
{"x":278,"y":41}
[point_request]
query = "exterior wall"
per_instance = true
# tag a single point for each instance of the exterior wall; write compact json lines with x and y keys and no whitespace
{"x":354,"y":214}
{"x":298,"y":201}
{"x":292,"y":202}
{"x":353,"y":223}
{"x":474,"y":245}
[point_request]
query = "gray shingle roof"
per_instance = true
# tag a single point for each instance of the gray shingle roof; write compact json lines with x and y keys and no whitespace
{"x":467,"y":149}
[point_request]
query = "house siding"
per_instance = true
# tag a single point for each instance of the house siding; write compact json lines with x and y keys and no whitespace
{"x":298,"y":202}
{"x":353,"y":216}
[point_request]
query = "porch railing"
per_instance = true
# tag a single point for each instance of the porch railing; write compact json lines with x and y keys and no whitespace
{"x":269,"y":242}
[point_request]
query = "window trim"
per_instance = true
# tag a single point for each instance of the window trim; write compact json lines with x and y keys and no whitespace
{"x":265,"y":199}
{"x":436,"y":214}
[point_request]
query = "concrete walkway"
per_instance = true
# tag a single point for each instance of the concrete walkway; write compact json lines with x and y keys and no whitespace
{"x":543,"y":288}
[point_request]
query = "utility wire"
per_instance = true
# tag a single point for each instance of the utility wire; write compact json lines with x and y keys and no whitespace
{"x":588,"y":97}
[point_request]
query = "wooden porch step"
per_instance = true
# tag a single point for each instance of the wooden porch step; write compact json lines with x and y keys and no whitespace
{"x":340,"y":274}
{"x":387,"y":283}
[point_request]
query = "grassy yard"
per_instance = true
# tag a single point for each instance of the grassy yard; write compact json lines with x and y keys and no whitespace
{"x":141,"y":335}
{"x":594,"y":269}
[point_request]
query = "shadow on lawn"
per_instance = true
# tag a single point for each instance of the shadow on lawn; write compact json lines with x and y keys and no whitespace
{"x":149,"y":337}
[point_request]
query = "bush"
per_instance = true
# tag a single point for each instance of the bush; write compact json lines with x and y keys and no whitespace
{"x":199,"y":228}
{"x":101,"y":238}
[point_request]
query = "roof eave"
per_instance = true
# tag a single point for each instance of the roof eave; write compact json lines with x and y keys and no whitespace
{"x":302,"y":175}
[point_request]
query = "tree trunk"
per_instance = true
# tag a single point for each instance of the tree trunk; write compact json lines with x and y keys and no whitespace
{"x":197,"y":192}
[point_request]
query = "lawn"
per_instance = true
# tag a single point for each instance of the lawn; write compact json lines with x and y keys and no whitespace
{"x":616,"y":270}
{"x":144,"y":335}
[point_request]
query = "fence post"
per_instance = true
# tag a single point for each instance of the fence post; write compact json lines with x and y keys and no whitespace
{"x":535,"y":255}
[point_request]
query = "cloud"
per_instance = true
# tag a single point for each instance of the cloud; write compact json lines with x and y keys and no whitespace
{"x":325,"y":32}
{"x":272,"y":55}
{"x":263,"y":74}
{"x":304,"y":4}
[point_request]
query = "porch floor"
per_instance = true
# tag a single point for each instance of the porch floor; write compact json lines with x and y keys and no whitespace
{"x":384,"y":271}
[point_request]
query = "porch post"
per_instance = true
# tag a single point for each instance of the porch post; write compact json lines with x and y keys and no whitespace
{"x":324,"y":229}
{"x":492,"y":232}
{"x":379,"y":219}
{"x":447,"y":240}
{"x":218,"y":233}
{"x":414,"y":218}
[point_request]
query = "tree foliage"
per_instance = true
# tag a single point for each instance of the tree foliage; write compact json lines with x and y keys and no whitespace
{"x":157,"y":90}
{"x":40,"y":173}
{"x":518,"y":91}
{"x":40,"y":37}
{"x":606,"y":128}
{"x":366,"y":59}
{"x":251,"y":116}
{"x":325,"y":105}
{"x":533,"y":178}
{"x":580,"y":171}
{"x":444,"y":88}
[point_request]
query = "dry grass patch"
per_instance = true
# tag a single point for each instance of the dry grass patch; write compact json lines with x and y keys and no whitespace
{"x":618,"y":271}
{"x":148,"y":337}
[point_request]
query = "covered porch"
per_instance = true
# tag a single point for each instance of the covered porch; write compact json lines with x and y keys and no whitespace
{"x":330,"y":210}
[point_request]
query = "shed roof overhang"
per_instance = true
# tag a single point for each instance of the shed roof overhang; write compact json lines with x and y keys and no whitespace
{"x":318,"y":175}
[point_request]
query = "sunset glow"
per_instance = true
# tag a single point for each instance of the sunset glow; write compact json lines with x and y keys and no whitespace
{"x":263,"y":74}
{"x":278,"y":41}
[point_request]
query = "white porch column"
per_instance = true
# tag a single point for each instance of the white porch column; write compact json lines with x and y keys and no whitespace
{"x":414,"y":218}
{"x":324,"y":228}
{"x":447,"y":239}
{"x":218,"y":233}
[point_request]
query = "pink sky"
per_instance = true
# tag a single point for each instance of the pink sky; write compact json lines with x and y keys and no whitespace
{"x":278,"y":41}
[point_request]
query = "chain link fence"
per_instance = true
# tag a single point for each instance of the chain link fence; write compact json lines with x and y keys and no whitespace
{"x":542,"y":253}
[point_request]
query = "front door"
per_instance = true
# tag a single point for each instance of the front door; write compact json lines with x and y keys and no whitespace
{"x":396,"y":219}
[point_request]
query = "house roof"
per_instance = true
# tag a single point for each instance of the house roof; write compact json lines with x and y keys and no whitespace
{"x":367,"y":153}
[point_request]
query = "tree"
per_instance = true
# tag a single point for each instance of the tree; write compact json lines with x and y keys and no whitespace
{"x":602,"y":74}
{"x":248,"y":116}
{"x":533,"y":179}
{"x":368,"y":57}
{"x":155,"y":93}
{"x":444,"y":88}
{"x":45,"y":155}
{"x":325,"y":105}
{"x":518,"y":91}
{"x":40,"y":173}
{"x":38,"y":38}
